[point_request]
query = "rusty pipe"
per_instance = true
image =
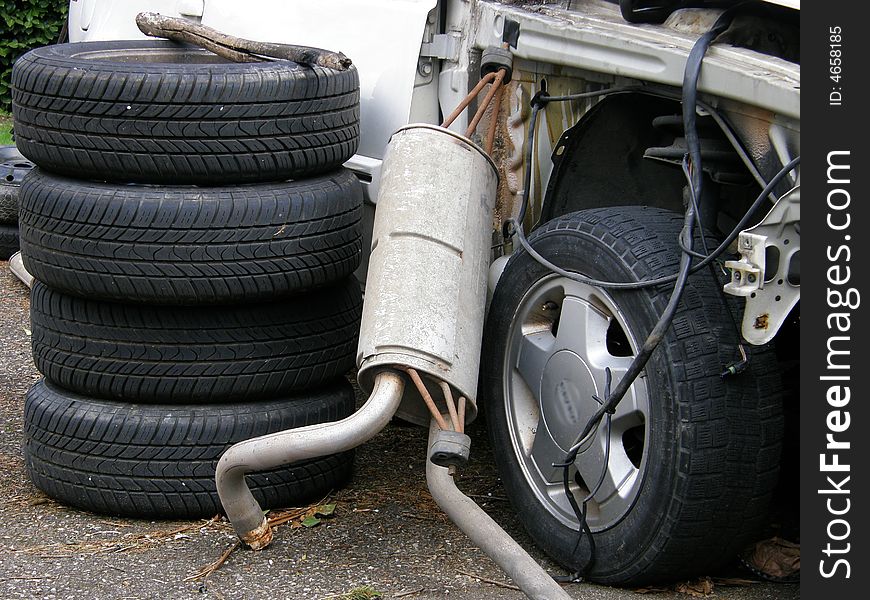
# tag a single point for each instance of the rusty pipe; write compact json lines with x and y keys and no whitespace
{"x":496,"y":85}
{"x":451,"y":406}
{"x":285,"y":447}
{"x":427,"y":398}
{"x":471,"y":96}
{"x":493,"y":123}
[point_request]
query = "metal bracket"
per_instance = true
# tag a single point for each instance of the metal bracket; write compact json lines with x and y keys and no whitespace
{"x":768,"y":272}
{"x":443,"y":46}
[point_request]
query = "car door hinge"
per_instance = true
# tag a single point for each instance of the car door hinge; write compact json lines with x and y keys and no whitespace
{"x":444,"y":46}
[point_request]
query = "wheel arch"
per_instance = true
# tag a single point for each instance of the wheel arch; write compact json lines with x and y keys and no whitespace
{"x":599,"y":162}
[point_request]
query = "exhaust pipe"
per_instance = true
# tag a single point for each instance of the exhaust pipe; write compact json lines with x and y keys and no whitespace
{"x":423,"y":311}
{"x":486,"y":534}
{"x":284,"y":447}
{"x":423,"y":315}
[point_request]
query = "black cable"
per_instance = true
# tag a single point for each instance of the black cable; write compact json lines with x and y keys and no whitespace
{"x":540,"y":100}
{"x":693,"y":198}
{"x":527,"y":179}
{"x":690,"y":93}
{"x":607,"y":430}
{"x":596,"y":93}
{"x":612,"y":399}
{"x":734,"y":367}
{"x":638,"y":363}
{"x":581,"y":510}
{"x":652,"y":341}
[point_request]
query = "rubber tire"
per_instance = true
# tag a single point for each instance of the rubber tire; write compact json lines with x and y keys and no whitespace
{"x":186,"y":245}
{"x":13,"y":168}
{"x":714,"y":444}
{"x":190,"y":355}
{"x":142,"y":460}
{"x":8,"y":203}
{"x":8,"y":241}
{"x":175,"y":121}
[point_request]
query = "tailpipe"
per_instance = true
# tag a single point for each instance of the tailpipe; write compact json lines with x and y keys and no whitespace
{"x":485,"y":533}
{"x":284,"y":447}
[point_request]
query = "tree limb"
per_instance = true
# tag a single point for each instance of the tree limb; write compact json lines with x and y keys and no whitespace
{"x":234,"y":48}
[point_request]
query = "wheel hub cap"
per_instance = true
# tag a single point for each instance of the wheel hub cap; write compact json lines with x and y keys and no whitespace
{"x":568,"y":387}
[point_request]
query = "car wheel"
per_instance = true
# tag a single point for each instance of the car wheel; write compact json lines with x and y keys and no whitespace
{"x":186,"y":245}
{"x":693,"y":457}
{"x":194,"y":354}
{"x":145,"y":460}
{"x":13,"y":168}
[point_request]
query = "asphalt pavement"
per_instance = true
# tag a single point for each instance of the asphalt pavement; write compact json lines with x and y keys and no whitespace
{"x":386,"y":534}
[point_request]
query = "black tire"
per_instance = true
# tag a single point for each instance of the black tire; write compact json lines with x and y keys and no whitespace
{"x":187,"y":355}
{"x":156,"y":112}
{"x":188,"y":245}
{"x":13,"y":168}
{"x":8,"y":241}
{"x":8,"y":203}
{"x":143,"y":460}
{"x":705,"y":458}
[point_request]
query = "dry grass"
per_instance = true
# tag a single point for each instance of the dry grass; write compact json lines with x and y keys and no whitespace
{"x":125,"y":543}
{"x":295,"y":517}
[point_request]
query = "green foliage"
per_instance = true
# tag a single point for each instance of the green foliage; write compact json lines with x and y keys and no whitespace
{"x":5,"y":129}
{"x":365,"y":592}
{"x":26,"y":24}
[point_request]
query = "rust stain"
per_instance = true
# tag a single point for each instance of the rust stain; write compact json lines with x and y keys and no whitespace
{"x":501,"y":153}
{"x":761,"y":321}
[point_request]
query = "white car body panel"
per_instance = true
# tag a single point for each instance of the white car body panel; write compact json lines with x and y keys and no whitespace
{"x":382,"y":37}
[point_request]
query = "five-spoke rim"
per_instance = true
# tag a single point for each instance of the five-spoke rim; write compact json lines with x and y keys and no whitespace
{"x":563,"y":337}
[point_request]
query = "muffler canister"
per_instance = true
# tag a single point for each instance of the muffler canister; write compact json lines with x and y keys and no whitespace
{"x":426,"y":284}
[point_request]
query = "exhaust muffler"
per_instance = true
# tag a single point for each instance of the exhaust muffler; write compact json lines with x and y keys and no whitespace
{"x":423,"y":314}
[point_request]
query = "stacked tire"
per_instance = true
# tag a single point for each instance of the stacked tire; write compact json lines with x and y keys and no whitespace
{"x":13,"y":168}
{"x":193,"y":238}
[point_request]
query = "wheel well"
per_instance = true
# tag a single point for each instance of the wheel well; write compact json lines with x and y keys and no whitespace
{"x":600,"y":161}
{"x":628,"y":150}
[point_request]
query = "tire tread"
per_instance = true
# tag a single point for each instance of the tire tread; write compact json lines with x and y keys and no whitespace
{"x":155,"y":461}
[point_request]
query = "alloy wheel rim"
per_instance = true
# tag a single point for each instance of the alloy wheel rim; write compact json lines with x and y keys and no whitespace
{"x":562,"y":337}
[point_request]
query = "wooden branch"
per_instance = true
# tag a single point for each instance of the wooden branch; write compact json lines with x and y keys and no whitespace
{"x":233,"y":48}
{"x":500,"y":584}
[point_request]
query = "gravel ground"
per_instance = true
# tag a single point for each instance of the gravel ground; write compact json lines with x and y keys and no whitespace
{"x":386,"y":532}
